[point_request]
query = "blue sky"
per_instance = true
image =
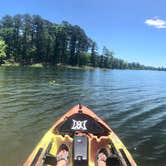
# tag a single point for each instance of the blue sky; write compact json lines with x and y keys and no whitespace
{"x":134,"y":29}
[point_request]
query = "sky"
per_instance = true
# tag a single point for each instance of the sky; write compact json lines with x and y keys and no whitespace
{"x":134,"y":29}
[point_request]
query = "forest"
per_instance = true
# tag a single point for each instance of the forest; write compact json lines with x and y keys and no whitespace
{"x":30,"y":39}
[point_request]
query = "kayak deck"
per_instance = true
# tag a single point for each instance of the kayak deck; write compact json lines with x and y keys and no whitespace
{"x":85,"y":134}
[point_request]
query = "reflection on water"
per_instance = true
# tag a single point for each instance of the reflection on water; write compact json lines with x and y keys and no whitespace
{"x":133,"y":103}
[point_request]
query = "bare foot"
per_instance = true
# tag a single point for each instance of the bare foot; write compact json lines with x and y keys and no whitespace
{"x":101,"y":159}
{"x":62,"y":158}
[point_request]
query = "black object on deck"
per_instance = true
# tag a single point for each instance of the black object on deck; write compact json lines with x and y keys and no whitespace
{"x":80,"y":151}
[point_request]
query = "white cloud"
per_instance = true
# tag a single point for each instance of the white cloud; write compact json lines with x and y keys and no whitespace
{"x":155,"y":22}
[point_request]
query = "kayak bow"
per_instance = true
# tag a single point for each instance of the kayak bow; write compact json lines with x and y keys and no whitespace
{"x":85,"y":134}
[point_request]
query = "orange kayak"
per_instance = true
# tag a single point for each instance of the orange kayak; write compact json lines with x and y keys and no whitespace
{"x":85,"y":134}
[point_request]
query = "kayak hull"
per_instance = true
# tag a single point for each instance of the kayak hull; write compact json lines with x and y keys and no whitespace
{"x":83,"y":122}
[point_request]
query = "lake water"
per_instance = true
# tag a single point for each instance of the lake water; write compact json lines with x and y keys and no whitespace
{"x":133,"y":103}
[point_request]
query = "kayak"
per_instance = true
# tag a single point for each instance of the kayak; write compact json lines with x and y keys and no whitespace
{"x":84,"y":133}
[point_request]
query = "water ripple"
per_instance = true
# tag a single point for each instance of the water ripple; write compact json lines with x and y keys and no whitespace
{"x":133,"y":103}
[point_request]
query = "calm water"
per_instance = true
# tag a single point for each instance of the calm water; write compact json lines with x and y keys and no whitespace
{"x":133,"y":103}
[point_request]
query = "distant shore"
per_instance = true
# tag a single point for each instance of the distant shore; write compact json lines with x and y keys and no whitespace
{"x":40,"y":65}
{"x":64,"y":66}
{"x":44,"y":42}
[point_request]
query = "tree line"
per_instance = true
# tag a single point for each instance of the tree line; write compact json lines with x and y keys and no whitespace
{"x":30,"y":39}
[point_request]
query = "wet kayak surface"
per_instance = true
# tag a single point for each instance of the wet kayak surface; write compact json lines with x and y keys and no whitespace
{"x":133,"y":103}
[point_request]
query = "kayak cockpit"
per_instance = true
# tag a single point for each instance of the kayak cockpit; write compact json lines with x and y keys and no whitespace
{"x":83,"y":150}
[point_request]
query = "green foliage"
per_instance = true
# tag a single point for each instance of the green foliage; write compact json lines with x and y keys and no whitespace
{"x":94,"y":54}
{"x":3,"y":47}
{"x":34,"y":40}
{"x":84,"y":59}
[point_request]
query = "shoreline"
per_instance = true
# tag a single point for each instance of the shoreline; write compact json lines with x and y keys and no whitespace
{"x":62,"y":66}
{"x":40,"y":65}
